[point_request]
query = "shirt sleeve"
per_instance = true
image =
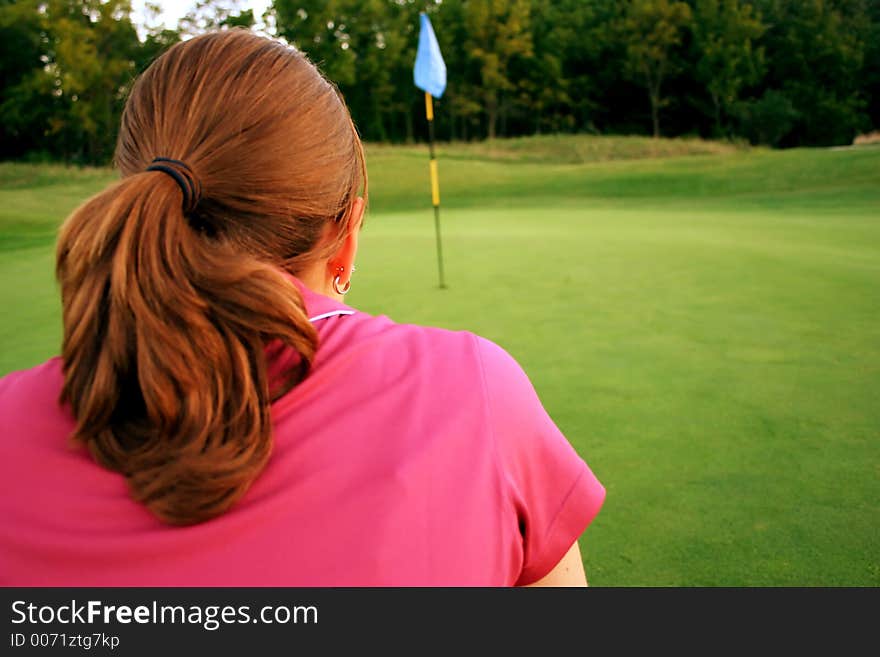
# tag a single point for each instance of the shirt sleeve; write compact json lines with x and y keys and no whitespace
{"x":552,"y":488}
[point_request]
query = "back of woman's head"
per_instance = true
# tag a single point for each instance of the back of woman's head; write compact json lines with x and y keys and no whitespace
{"x":171,"y":279}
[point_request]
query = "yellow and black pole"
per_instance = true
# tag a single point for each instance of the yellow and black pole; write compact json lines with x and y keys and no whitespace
{"x":435,"y":184}
{"x":429,"y":74}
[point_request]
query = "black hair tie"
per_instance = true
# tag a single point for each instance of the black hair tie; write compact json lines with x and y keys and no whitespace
{"x":185,"y":179}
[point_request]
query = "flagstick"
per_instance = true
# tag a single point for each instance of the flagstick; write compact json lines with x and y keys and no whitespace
{"x":435,"y":184}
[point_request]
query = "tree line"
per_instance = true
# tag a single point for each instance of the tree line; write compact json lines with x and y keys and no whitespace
{"x":777,"y":72}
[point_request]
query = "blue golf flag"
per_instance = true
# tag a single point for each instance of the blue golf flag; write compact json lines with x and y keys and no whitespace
{"x":430,"y":69}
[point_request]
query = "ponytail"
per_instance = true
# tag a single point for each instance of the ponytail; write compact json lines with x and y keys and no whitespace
{"x":173,"y":280}
{"x":165,"y":329}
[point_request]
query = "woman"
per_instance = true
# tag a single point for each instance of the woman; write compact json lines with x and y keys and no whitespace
{"x":231,"y":420}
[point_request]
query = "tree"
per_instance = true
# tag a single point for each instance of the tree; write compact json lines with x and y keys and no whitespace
{"x":768,"y":119}
{"x":91,"y":56}
{"x":25,"y":95}
{"x":871,"y":74}
{"x":725,"y":36}
{"x":207,"y":15}
{"x":367,"y":48}
{"x":815,"y":54}
{"x":71,"y":102}
{"x":497,"y":32}
{"x":459,"y":111}
{"x":320,"y":29}
{"x":782,"y":72}
{"x":557,"y":32}
{"x":382,"y":41}
{"x":653,"y":29}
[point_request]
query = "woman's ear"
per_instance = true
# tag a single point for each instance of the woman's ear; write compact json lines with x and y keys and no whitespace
{"x":342,"y":262}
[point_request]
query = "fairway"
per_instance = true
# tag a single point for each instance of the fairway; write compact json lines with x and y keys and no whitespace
{"x":705,"y":329}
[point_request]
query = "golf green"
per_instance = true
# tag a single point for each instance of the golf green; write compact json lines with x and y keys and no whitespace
{"x":704,"y":329}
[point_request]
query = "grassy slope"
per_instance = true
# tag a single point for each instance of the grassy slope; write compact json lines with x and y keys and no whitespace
{"x":704,"y":329}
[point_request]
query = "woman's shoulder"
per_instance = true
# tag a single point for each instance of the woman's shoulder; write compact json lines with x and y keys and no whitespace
{"x":428,"y":342}
{"x":29,"y":397}
{"x":455,"y":360}
{"x":41,"y":379}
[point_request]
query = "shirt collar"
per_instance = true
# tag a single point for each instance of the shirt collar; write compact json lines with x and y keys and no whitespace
{"x":319,"y":306}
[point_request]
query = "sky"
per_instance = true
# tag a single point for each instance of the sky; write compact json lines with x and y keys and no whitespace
{"x":173,"y":10}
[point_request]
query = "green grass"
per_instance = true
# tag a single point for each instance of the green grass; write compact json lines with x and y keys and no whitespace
{"x":570,"y":149}
{"x":704,"y":329}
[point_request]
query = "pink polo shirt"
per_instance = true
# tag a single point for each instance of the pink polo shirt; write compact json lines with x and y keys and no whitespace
{"x":409,"y":456}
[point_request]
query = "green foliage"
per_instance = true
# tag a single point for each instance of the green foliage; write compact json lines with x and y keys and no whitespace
{"x":353,"y":42}
{"x":653,"y":30}
{"x":817,"y":49}
{"x":777,"y":72}
{"x":768,"y":119}
{"x":21,"y":117}
{"x":725,"y":37}
{"x":74,"y":62}
{"x":209,"y":15}
{"x":499,"y":32}
{"x":871,"y":70}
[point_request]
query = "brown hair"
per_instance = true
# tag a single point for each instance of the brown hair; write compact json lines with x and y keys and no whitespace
{"x":167,"y":314}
